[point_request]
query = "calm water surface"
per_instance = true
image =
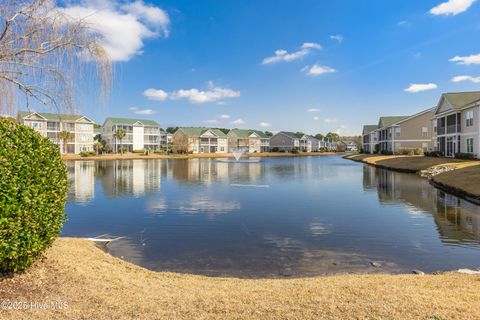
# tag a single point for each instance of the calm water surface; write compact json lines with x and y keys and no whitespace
{"x":301,"y":216}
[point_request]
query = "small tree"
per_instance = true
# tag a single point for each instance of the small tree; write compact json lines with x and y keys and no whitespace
{"x":65,"y":136}
{"x":120,"y":134}
{"x":268,"y":133}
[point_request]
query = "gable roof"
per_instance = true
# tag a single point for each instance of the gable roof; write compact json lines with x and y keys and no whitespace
{"x":461,"y":99}
{"x":292,"y":135}
{"x":245,"y":133}
{"x":196,"y":131}
{"x":129,"y":121}
{"x":369,"y":128}
{"x":389,"y":120}
{"x":53,"y":116}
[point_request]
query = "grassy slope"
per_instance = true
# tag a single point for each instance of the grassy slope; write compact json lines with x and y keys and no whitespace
{"x":464,"y":180}
{"x":98,"y":286}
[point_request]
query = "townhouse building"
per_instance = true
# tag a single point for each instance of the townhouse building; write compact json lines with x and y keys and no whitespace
{"x":414,"y":131}
{"x":456,"y":122}
{"x":50,"y":125}
{"x":369,"y":138}
{"x":141,"y":134}
{"x":250,"y":140}
{"x":200,"y":140}
{"x":288,"y":141}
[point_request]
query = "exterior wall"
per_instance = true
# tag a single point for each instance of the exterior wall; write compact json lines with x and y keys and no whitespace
{"x":283,"y":142}
{"x":472,"y":131}
{"x":137,"y":137}
{"x":81,"y":129}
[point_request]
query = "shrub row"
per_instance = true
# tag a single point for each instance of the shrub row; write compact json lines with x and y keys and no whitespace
{"x":33,"y":191}
{"x":87,"y":153}
{"x":410,"y":151}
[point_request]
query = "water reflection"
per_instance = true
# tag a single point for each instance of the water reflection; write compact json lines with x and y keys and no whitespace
{"x":457,"y":220}
{"x":318,"y":215}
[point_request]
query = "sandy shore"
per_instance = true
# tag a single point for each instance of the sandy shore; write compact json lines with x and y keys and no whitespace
{"x":84,"y":282}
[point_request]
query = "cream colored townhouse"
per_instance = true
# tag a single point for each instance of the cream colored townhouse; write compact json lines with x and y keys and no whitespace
{"x":200,"y":140}
{"x":414,"y":131}
{"x":141,"y":134}
{"x":250,"y":140}
{"x":369,"y":138}
{"x":457,"y":123}
{"x":51,"y":124}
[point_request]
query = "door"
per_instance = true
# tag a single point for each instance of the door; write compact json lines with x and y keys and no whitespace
{"x":451,"y":146}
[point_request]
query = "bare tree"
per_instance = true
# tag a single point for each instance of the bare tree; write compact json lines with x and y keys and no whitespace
{"x":45,"y":54}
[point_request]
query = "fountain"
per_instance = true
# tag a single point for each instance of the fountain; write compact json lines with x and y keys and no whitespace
{"x":237,"y":154}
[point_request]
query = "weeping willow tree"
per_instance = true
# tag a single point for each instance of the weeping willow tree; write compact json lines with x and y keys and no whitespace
{"x":47,"y":56}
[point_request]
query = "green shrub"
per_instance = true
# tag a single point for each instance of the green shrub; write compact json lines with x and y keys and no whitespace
{"x":138,"y":151}
{"x":33,"y":188}
{"x":87,"y":153}
{"x":408,"y":151}
{"x":465,"y":156}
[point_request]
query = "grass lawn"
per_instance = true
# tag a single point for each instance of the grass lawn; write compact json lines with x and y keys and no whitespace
{"x":415,"y":163}
{"x":97,"y":286}
{"x":464,"y":180}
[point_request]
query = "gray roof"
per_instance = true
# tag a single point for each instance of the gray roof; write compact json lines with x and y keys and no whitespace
{"x":461,"y":99}
{"x":388,"y":121}
{"x":369,"y":128}
{"x":244,"y":133}
{"x":129,"y":121}
{"x":196,"y":131}
{"x":292,"y":135}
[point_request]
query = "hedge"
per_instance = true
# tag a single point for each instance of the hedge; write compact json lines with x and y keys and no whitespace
{"x":33,"y":188}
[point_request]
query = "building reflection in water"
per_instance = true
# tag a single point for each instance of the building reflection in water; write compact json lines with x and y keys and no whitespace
{"x":457,"y":220}
{"x":81,"y":179}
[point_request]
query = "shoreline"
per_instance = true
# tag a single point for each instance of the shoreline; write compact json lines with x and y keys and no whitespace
{"x":92,"y":283}
{"x":447,"y":185}
{"x":135,"y":156}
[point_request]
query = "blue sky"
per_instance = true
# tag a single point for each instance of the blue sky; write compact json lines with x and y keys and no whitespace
{"x":348,"y":61}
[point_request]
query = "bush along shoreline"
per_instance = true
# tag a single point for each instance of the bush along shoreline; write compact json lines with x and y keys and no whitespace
{"x":447,"y":174}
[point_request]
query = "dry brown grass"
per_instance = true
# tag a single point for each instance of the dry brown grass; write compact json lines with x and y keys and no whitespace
{"x":414,"y":163}
{"x":97,"y":286}
{"x":127,"y":156}
{"x":465,"y":179}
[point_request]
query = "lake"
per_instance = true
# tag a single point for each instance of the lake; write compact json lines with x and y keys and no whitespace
{"x":280,"y":217}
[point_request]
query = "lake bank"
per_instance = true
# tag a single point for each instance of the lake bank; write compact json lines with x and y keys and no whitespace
{"x":98,"y":286}
{"x":131,"y":156}
{"x":463,"y":180}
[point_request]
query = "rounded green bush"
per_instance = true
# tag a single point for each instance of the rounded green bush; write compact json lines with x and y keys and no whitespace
{"x":33,"y":189}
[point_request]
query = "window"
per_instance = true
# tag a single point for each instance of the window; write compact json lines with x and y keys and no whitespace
{"x":424,"y":131}
{"x":398,"y":131}
{"x":435,"y":125}
{"x":34,"y":125}
{"x":85,"y":127}
{"x":424,"y":145}
{"x":470,"y":145}
{"x":469,"y":119}
{"x":84,"y":138}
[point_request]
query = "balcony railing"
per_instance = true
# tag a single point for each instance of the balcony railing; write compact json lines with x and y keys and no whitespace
{"x":440,"y":130}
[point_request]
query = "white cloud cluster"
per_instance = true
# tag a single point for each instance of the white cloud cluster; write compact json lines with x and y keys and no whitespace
{"x":317,"y":70}
{"x":467,"y":60}
{"x":238,"y":121}
{"x":313,"y":110}
{"x":225,"y":116}
{"x":466,"y":78}
{"x":142,"y":111}
{"x":283,"y":55}
{"x":194,"y":96}
{"x":316,"y":118}
{"x":155,"y":94}
{"x":265,"y":124}
{"x":122,"y":27}
{"x":330,"y":120}
{"x":452,"y":7}
{"x":337,"y":37}
{"x":419,"y":87}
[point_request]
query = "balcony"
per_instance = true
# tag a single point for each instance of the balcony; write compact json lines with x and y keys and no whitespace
{"x":440,"y":130}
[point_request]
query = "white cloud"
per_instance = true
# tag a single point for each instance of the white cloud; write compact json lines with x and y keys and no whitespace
{"x":154,"y":94}
{"x":265,"y":124}
{"x":211,"y":121}
{"x":330,"y":120}
{"x":195,"y":96}
{"x":122,"y":28}
{"x":313,"y":110}
{"x":317,"y":70}
{"x":452,"y":7}
{"x":238,"y":121}
{"x":471,"y":59}
{"x":283,"y":55}
{"x":466,"y":78}
{"x":337,"y":37}
{"x":225,"y":116}
{"x":419,"y":87}
{"x":403,"y":23}
{"x":142,"y":111}
{"x":316,"y":118}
